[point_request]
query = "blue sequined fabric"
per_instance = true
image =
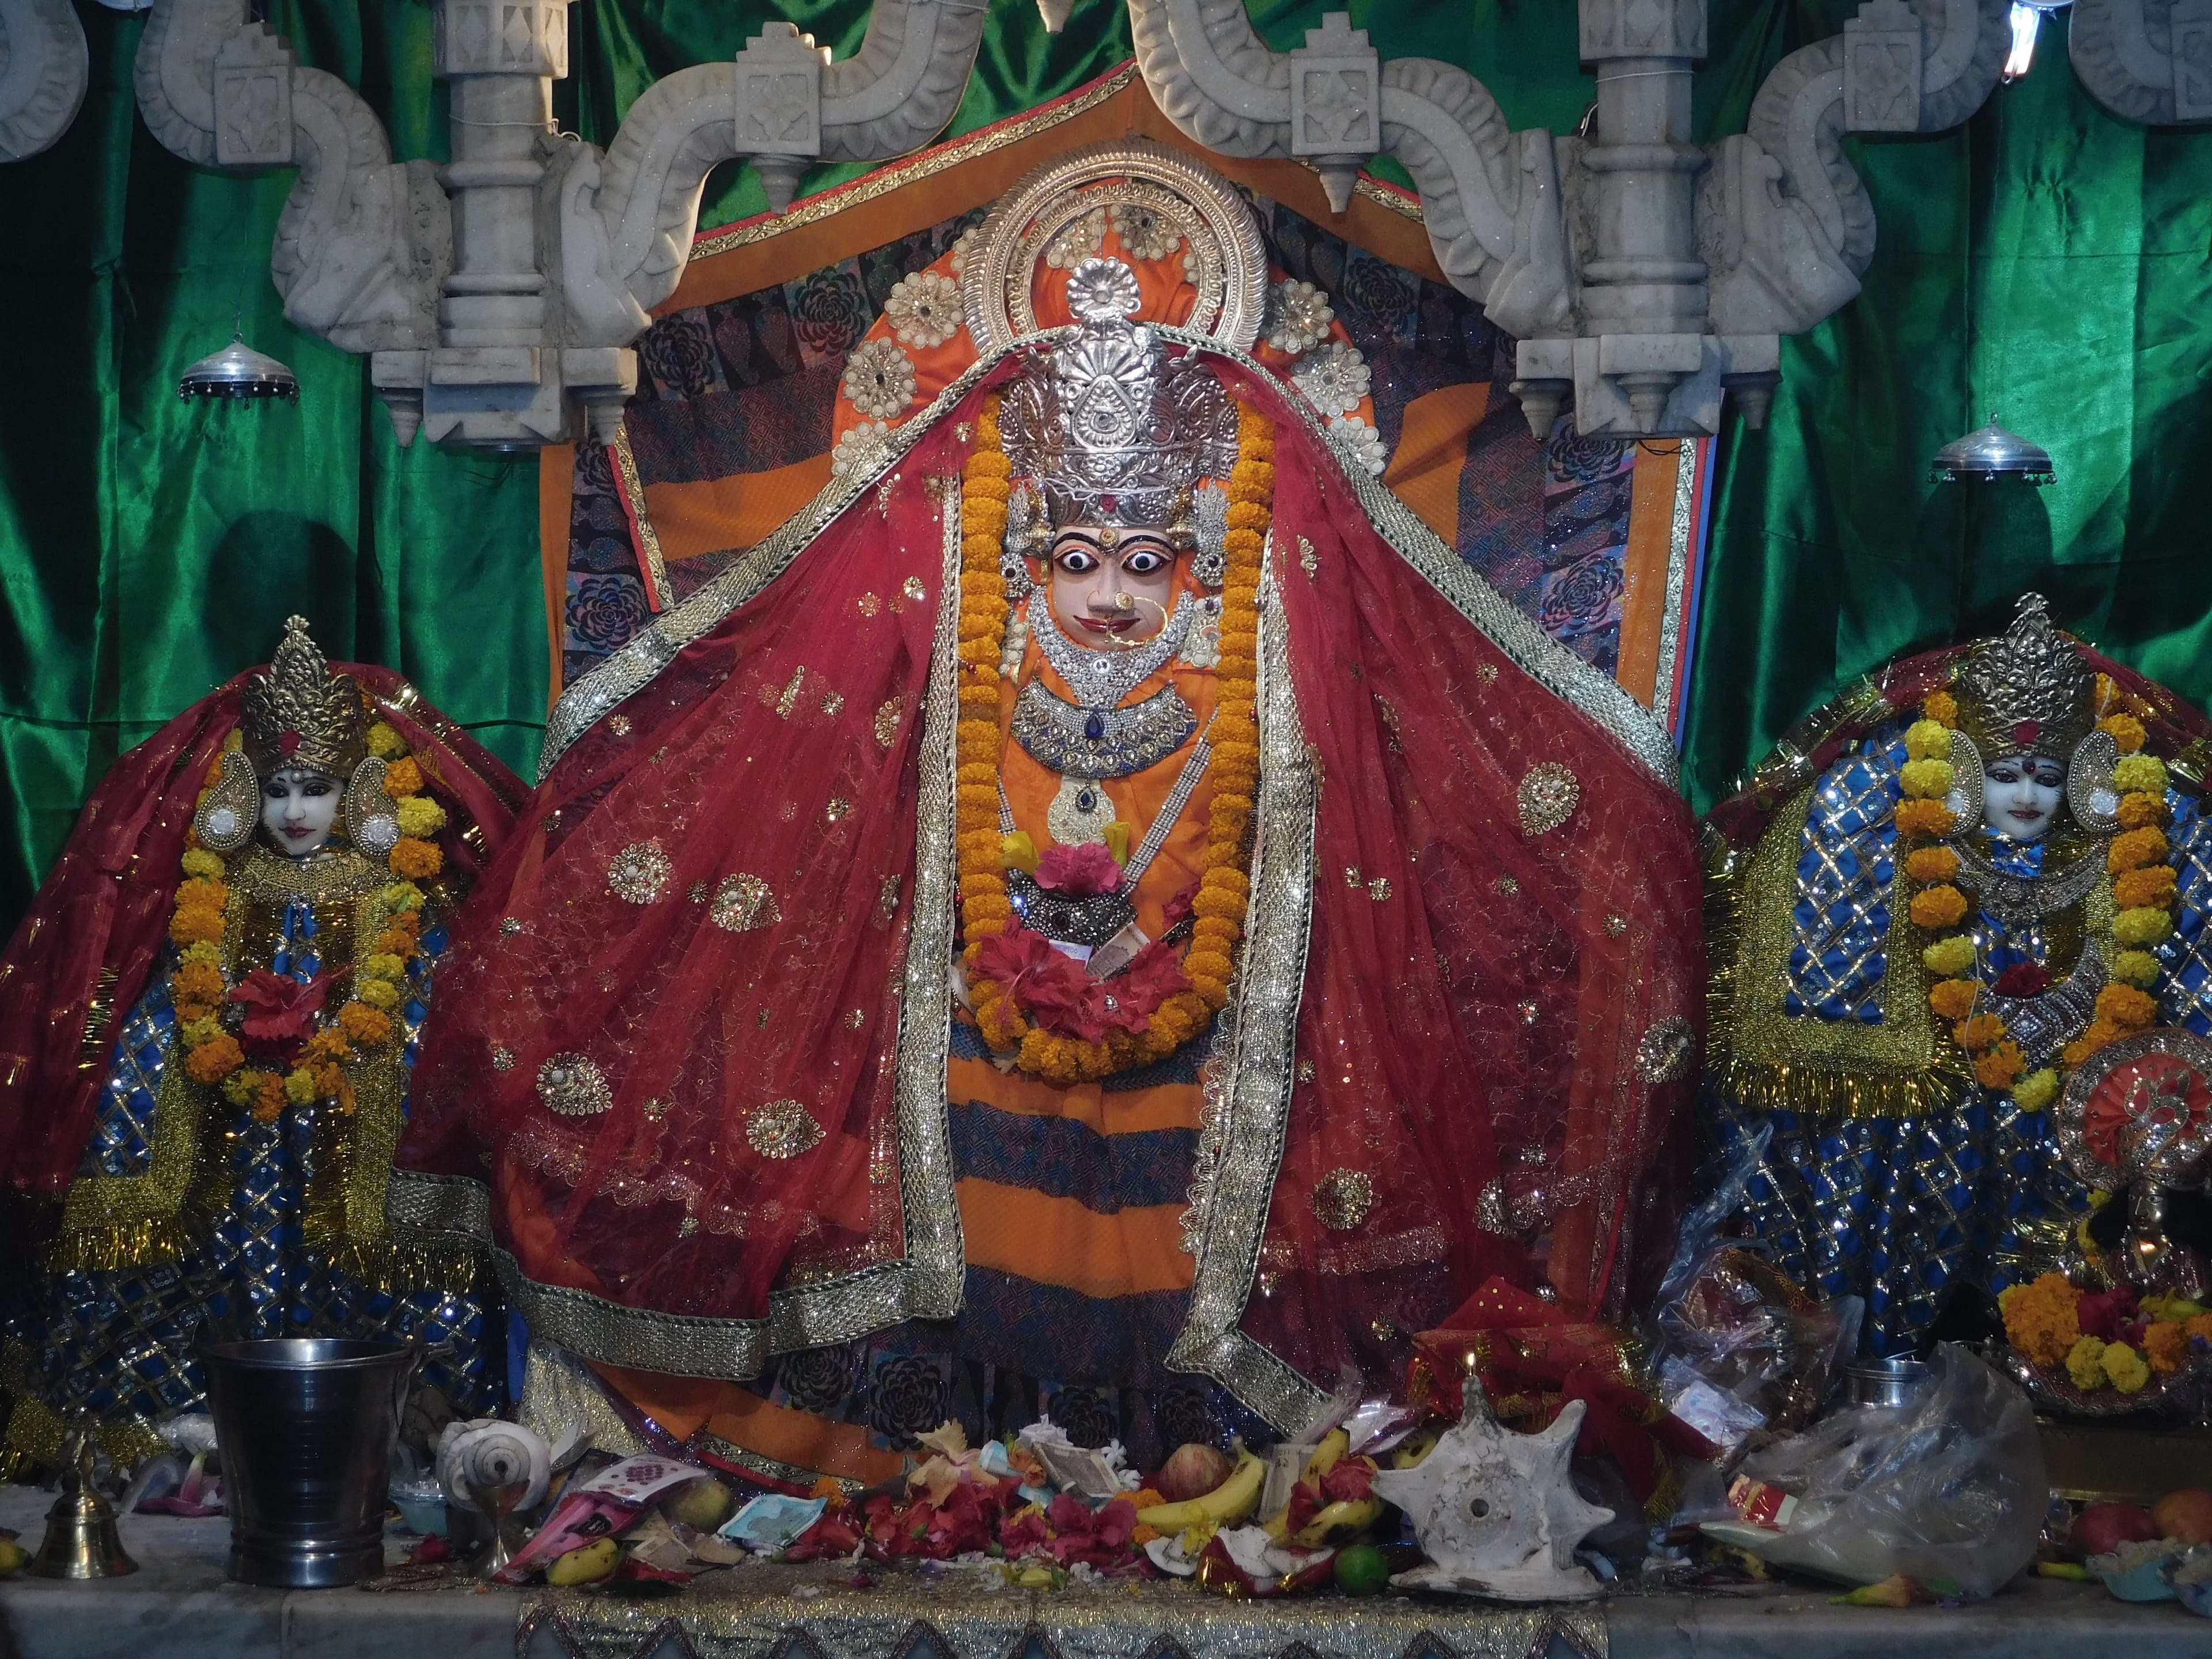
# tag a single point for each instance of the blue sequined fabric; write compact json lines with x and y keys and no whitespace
{"x":121,"y":1344}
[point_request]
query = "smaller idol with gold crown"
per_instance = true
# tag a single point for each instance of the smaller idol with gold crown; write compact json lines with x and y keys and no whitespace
{"x":259,"y":889}
{"x":1957,"y":927}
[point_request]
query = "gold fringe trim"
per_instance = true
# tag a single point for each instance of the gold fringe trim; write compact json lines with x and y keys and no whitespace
{"x":32,"y":1441}
{"x":105,"y":1249}
{"x":1768,"y":1061}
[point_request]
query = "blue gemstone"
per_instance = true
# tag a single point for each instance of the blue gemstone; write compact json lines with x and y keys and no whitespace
{"x":1095,"y":727}
{"x":1085,"y":801}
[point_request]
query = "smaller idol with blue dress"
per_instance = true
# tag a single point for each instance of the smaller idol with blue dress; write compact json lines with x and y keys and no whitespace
{"x":1942,"y":897}
{"x":310,"y":830}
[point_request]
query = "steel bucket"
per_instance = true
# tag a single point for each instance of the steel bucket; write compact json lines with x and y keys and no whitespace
{"x":306,"y":1425}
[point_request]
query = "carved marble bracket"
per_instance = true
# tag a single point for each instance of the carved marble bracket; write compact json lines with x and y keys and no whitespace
{"x":497,"y":295}
{"x":43,"y":63}
{"x":1644,"y":277}
{"x":2146,"y":60}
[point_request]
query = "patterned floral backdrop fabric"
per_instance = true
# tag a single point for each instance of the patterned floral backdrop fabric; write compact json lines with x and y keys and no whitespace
{"x":746,"y":387}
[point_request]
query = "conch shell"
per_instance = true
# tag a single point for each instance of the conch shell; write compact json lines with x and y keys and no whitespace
{"x":476,"y":1455}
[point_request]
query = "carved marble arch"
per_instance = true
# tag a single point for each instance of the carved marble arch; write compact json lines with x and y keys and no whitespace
{"x":43,"y":65}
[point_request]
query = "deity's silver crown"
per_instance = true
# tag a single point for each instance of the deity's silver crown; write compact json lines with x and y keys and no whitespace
{"x":2026,"y":691}
{"x":1111,"y":428}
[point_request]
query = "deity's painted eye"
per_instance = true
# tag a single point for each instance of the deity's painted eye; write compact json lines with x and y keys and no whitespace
{"x":1144,"y":562}
{"x":315,"y":788}
{"x":1078,"y":562}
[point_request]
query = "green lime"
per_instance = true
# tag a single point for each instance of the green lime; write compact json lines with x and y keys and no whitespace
{"x":1361,"y":1571}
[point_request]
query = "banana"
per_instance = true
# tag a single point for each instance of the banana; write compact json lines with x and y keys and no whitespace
{"x":1328,"y":1455}
{"x":1339,"y":1522}
{"x":1232,"y":1500}
{"x":1414,"y":1449}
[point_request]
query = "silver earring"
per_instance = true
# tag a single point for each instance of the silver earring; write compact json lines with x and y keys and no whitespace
{"x":1209,"y":517}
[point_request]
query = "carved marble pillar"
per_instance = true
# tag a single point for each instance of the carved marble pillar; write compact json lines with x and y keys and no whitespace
{"x":1643,"y":282}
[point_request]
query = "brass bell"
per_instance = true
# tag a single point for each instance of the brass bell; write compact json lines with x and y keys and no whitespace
{"x":81,"y":1540}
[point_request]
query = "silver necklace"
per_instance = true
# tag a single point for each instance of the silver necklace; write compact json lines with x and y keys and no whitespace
{"x":1102,"y":678}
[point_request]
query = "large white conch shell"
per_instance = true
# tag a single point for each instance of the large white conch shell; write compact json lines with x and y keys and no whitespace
{"x":487,"y":1452}
{"x":1497,"y":1513}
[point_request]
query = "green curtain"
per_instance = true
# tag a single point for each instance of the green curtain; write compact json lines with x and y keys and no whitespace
{"x":2046,"y":261}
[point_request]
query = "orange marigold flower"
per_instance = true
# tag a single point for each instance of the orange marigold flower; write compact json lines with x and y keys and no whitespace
{"x":1942,"y":708}
{"x":2127,"y":731}
{"x":2126,"y":1008}
{"x":2001,"y":1067}
{"x":211,"y":1062}
{"x":196,"y":926}
{"x":402,"y":776}
{"x":2199,"y":1325}
{"x":2101,"y":1034}
{"x":2165,"y":1344}
{"x":2135,"y":849}
{"x":2149,"y":887}
{"x":1941,"y":906}
{"x":1953,"y":998}
{"x":1979,"y":1032}
{"x":364,"y":1024}
{"x":413,"y":860}
{"x":199,"y":982}
{"x":2138,"y":811}
{"x":1925,"y":817}
{"x":1931,"y":864}
{"x":2042,"y":1319}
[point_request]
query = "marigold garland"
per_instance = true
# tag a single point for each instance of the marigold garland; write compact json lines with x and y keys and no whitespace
{"x":1224,"y":887}
{"x":2143,"y":897}
{"x":200,"y":990}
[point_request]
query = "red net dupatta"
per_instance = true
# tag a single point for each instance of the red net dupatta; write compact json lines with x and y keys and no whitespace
{"x":696,"y":1024}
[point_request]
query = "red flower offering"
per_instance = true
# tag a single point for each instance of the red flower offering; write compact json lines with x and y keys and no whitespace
{"x":280,"y":1014}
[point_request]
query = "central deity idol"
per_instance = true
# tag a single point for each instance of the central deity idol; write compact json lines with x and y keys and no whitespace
{"x":1102,"y":915}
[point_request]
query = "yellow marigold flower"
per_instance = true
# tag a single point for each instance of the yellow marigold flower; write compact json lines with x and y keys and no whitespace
{"x":386,"y":744}
{"x":2127,"y":731}
{"x":2143,"y":774}
{"x":1949,"y":958}
{"x":198,"y":1031}
{"x":240,"y":1087}
{"x":378,"y":993}
{"x":1931,"y":864}
{"x":2036,"y":1090}
{"x":1953,"y":998}
{"x":400,"y":896}
{"x":381,"y":966}
{"x":2142,"y":927}
{"x":2084,"y":1363}
{"x":2125,"y":1367}
{"x":419,"y":815}
{"x":2126,"y":1008}
{"x":1927,"y":780}
{"x":1926,"y":740}
{"x":206,"y":952}
{"x":299,"y":1087}
{"x":197,"y":863}
{"x":2136,"y":967}
{"x":1941,"y":906}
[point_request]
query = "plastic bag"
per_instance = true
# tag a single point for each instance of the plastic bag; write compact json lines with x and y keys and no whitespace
{"x":1740,"y":1348}
{"x":1948,"y":1488}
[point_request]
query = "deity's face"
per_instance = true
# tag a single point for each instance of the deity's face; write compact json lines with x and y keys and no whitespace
{"x":2020,"y":796}
{"x":1111,"y":587}
{"x":298,"y":809}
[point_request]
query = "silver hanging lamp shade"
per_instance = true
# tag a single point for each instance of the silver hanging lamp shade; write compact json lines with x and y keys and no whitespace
{"x":238,"y":371}
{"x":1991,"y":455}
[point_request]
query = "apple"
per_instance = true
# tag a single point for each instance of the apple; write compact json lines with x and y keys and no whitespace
{"x":1193,"y":1470}
{"x":2103,"y":1527}
{"x":2185,"y":1515}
